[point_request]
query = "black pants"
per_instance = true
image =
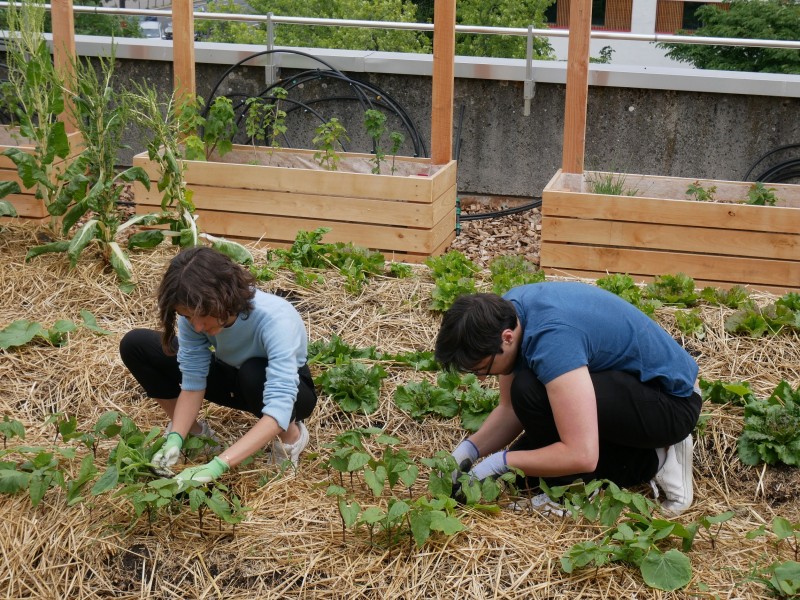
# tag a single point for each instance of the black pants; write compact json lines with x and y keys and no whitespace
{"x":633,"y":419}
{"x":242,"y":388}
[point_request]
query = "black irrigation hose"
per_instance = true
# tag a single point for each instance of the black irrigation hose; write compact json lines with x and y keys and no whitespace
{"x":359,"y":88}
{"x":380,"y":98}
{"x":783,"y":171}
{"x":537,"y":202}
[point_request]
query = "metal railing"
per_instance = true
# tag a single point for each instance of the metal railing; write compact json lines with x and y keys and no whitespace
{"x":421,"y":27}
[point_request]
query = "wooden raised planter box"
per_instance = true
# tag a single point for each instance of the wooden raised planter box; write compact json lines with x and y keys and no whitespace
{"x":661,"y":230}
{"x":407,"y":216}
{"x":27,"y":205}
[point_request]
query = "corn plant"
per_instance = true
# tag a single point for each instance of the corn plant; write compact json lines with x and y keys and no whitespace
{"x":6,"y":208}
{"x":93,"y":187}
{"x":35,"y":94}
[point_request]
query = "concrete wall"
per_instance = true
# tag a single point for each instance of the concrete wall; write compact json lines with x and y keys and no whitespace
{"x":708,"y":125}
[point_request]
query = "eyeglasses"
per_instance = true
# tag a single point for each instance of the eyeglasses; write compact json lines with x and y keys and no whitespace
{"x":483,"y":372}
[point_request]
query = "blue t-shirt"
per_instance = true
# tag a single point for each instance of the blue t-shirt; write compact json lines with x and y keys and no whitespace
{"x":273,"y":330}
{"x":567,"y":325}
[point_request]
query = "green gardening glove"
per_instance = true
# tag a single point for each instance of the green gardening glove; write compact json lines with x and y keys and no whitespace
{"x":170,"y":451}
{"x":202,"y":473}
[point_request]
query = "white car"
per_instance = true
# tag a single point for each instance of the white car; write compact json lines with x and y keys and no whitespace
{"x":150,"y":29}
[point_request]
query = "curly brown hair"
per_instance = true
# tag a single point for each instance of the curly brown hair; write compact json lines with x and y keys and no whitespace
{"x":207,"y":283}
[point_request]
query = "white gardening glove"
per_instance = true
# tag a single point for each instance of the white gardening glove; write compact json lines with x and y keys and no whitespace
{"x":465,"y":454}
{"x":170,"y":452}
{"x":493,"y":465}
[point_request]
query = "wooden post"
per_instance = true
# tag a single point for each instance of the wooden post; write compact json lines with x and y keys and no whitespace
{"x":64,"y":55}
{"x":444,"y":43}
{"x":183,"y":49}
{"x":580,"y":29}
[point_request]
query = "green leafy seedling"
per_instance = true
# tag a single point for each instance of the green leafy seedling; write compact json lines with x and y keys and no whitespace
{"x":375,"y":124}
{"x":760,"y":195}
{"x":700,"y":193}
{"x":690,"y":323}
{"x":354,"y":386}
{"x":419,"y":399}
{"x":397,"y":140}
{"x":328,"y":136}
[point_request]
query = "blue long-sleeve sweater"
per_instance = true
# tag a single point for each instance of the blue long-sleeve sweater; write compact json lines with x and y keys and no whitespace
{"x":273,"y":330}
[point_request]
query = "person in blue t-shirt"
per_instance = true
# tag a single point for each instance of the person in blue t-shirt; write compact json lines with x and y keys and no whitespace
{"x":236,"y":346}
{"x":590,"y":388}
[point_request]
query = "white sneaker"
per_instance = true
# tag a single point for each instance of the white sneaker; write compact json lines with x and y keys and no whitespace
{"x":213,"y":445}
{"x":675,"y":477}
{"x":282,"y":452}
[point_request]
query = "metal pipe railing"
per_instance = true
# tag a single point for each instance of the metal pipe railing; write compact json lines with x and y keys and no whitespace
{"x":474,"y":29}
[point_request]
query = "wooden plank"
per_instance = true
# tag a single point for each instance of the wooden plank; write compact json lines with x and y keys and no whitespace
{"x":619,"y":260}
{"x":309,"y":181}
{"x":699,"y":283}
{"x":661,"y":186}
{"x":63,"y":21}
{"x":75,"y":144}
{"x":28,"y":205}
{"x":444,"y":179}
{"x":444,"y":41}
{"x":360,"y":210}
{"x":580,"y":29}
{"x":671,"y":212}
{"x":389,"y":255}
{"x":183,"y":49}
{"x":702,"y":240}
{"x":286,"y":228}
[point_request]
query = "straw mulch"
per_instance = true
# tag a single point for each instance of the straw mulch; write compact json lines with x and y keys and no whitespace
{"x":291,"y":545}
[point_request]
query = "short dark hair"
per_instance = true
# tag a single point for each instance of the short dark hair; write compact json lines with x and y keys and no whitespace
{"x":206,"y":282}
{"x":472,"y":330}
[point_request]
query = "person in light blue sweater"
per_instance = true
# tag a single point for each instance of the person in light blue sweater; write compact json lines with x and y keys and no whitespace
{"x":590,"y":388}
{"x":232,"y":344}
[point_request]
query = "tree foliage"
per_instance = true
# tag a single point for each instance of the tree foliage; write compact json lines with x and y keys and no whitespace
{"x":496,"y":13}
{"x":229,"y":31}
{"x":502,"y":13}
{"x":91,"y":24}
{"x":754,"y":19}
{"x":346,"y":37}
